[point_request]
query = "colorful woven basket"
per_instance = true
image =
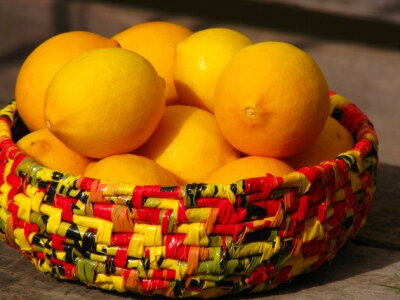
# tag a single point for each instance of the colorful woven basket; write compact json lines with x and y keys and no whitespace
{"x":198,"y":240}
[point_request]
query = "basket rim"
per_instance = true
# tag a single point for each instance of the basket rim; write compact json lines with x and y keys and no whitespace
{"x":365,"y":142}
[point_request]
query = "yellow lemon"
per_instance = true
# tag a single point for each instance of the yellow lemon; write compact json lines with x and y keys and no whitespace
{"x":156,"y":42}
{"x":130,"y":168}
{"x":271,"y":100}
{"x":189,"y":144}
{"x":200,"y":60}
{"x":333,"y":140}
{"x":249,"y":167}
{"x":105,"y":102}
{"x":43,"y":63}
{"x":46,"y":149}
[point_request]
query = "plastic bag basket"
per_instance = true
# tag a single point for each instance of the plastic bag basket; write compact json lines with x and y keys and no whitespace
{"x":199,"y":240}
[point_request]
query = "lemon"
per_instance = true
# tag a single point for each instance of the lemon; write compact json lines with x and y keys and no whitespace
{"x":49,"y":151}
{"x":156,"y":42}
{"x":271,"y":100}
{"x":43,"y":63}
{"x":249,"y":167}
{"x":189,"y":144}
{"x":105,"y":102}
{"x":333,"y":140}
{"x":130,"y":168}
{"x":200,"y":60}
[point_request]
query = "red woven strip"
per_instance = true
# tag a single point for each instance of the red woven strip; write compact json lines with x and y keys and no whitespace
{"x":5,"y":120}
{"x":172,"y":243}
{"x":165,"y":220}
{"x":85,"y":183}
{"x":284,"y":274}
{"x":227,"y":213}
{"x":57,"y":242}
{"x":121,"y":257}
{"x":148,"y":215}
{"x":364,"y":146}
{"x":28,"y":228}
{"x":17,"y":160}
{"x":150,"y":285}
{"x":103,"y":211}
{"x":121,"y":239}
{"x":352,"y":117}
{"x":166,"y":274}
{"x":182,"y":212}
{"x":13,"y":209}
{"x":228,"y":229}
{"x":15,"y":182}
{"x":259,"y":275}
{"x":69,"y":269}
{"x":65,"y":203}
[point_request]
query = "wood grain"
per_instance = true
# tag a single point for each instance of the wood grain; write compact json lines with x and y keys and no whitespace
{"x":383,"y":222}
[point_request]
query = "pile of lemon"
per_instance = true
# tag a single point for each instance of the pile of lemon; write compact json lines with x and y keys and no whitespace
{"x":159,"y":104}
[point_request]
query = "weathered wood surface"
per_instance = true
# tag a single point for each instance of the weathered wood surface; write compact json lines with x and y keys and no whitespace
{"x":383,"y":223}
{"x":358,"y":272}
{"x":388,"y":10}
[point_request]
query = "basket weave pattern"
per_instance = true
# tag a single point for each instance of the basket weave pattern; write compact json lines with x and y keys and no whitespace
{"x":195,"y":240}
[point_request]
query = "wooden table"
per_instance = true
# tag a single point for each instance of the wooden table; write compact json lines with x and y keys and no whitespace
{"x":367,"y":268}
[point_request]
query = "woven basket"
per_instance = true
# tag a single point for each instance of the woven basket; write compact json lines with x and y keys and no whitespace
{"x":200,"y":240}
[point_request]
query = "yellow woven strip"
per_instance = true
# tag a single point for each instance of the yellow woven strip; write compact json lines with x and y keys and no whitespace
{"x":266,"y":249}
{"x":54,"y":217}
{"x":7,"y":169}
{"x":4,"y":214}
{"x":337,"y":101}
{"x":340,"y":195}
{"x":136,"y":246}
{"x":21,"y":240}
{"x":9,"y":111}
{"x":330,"y":212}
{"x":155,"y":255}
{"x":105,"y":249}
{"x":111,"y":188}
{"x":296,"y":180}
{"x":299,"y":264}
{"x":110,"y":282}
{"x":179,"y":267}
{"x":169,"y":204}
{"x":195,"y":234}
{"x":104,"y":227}
{"x":152,"y":234}
{"x":42,"y":266}
{"x":63,"y":228}
{"x":313,"y":230}
{"x":25,"y":206}
{"x":4,"y":190}
{"x":198,"y":215}
{"x":98,"y":257}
